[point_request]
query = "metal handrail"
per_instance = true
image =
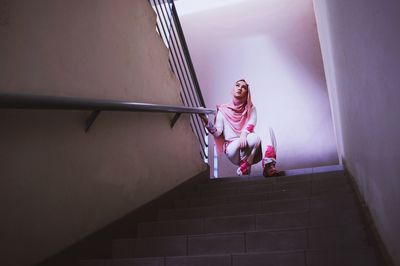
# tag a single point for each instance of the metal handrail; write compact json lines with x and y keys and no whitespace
{"x":170,"y":30}
{"x":187,"y":54}
{"x":27,"y":101}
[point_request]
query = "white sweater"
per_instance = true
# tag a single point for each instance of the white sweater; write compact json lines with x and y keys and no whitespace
{"x":223,"y":126}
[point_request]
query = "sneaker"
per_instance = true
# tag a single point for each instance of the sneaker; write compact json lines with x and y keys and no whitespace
{"x":244,"y":168}
{"x":269,"y":162}
{"x":270,"y":170}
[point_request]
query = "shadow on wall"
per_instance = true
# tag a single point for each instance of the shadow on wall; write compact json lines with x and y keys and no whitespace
{"x":275,"y":47}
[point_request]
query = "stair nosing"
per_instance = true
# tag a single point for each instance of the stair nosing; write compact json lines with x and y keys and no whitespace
{"x":344,"y":249}
{"x":338,"y":249}
{"x":262,"y":201}
{"x":302,"y":228}
{"x":241,"y":215}
{"x":200,"y":194}
{"x":257,"y":178}
{"x":265,"y":200}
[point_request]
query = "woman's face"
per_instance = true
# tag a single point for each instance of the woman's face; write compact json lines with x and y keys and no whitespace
{"x":240,"y":90}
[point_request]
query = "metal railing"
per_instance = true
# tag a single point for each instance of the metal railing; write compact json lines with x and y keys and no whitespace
{"x":25,"y":101}
{"x":169,"y":28}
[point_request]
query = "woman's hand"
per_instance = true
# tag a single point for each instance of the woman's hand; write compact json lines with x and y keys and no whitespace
{"x":204,"y":118}
{"x":243,"y":141}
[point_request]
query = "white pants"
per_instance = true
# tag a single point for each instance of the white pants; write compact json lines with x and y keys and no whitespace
{"x":252,"y":152}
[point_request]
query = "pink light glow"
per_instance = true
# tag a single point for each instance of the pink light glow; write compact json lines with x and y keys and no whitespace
{"x":274,"y":46}
{"x":187,"y":7}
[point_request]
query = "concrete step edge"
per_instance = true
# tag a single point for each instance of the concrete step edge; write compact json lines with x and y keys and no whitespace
{"x":316,"y":197}
{"x":170,"y":216}
{"x":271,"y":180}
{"x":244,"y":184}
{"x":344,"y":250}
{"x":205,"y":199}
{"x":350,"y":226}
{"x":370,"y":249}
{"x":259,"y":178}
{"x":244,"y":215}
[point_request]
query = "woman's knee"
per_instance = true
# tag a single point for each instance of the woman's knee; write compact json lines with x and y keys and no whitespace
{"x":233,"y":152}
{"x":253,"y":140}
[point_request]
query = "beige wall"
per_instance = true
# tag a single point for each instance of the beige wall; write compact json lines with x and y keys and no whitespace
{"x":59,"y":184}
{"x":360,"y":43}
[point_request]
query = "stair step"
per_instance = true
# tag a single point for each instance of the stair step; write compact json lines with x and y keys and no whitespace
{"x":254,"y":180}
{"x":235,"y":209}
{"x":332,"y":257}
{"x":215,"y":198}
{"x":262,"y":181}
{"x":160,"y":261}
{"x":315,"y":186}
{"x":214,"y":260}
{"x":150,"y":247}
{"x":309,"y":257}
{"x":291,"y":258}
{"x":348,"y":257}
{"x":306,"y":220}
{"x":255,"y":222}
{"x":254,"y":197}
{"x":175,"y":227}
{"x":337,"y":237}
{"x":213,"y":244}
{"x":260,"y":241}
{"x":248,"y":208}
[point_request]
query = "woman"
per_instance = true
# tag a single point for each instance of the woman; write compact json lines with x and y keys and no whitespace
{"x":234,"y":129}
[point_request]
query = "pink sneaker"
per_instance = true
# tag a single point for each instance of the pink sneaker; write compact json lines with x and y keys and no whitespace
{"x":270,"y":170}
{"x":269,"y":162}
{"x":244,"y":168}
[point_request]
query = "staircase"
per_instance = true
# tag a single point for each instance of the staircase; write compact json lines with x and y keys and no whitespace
{"x":301,"y":220}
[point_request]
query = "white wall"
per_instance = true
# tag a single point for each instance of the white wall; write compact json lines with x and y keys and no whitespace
{"x":59,"y":184}
{"x":360,"y":42}
{"x":274,"y":45}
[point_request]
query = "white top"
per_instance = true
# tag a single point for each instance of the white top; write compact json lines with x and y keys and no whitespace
{"x":223,"y":126}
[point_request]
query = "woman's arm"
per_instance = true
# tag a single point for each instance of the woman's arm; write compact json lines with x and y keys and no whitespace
{"x":217,"y":129}
{"x":252,"y":121}
{"x":249,"y":128}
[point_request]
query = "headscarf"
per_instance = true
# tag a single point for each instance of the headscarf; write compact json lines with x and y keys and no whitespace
{"x":237,"y":114}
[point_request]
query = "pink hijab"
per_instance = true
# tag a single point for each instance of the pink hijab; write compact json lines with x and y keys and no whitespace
{"x":237,"y":114}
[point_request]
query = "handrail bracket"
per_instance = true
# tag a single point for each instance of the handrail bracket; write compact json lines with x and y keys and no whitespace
{"x":90,"y":120}
{"x":174,"y":119}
